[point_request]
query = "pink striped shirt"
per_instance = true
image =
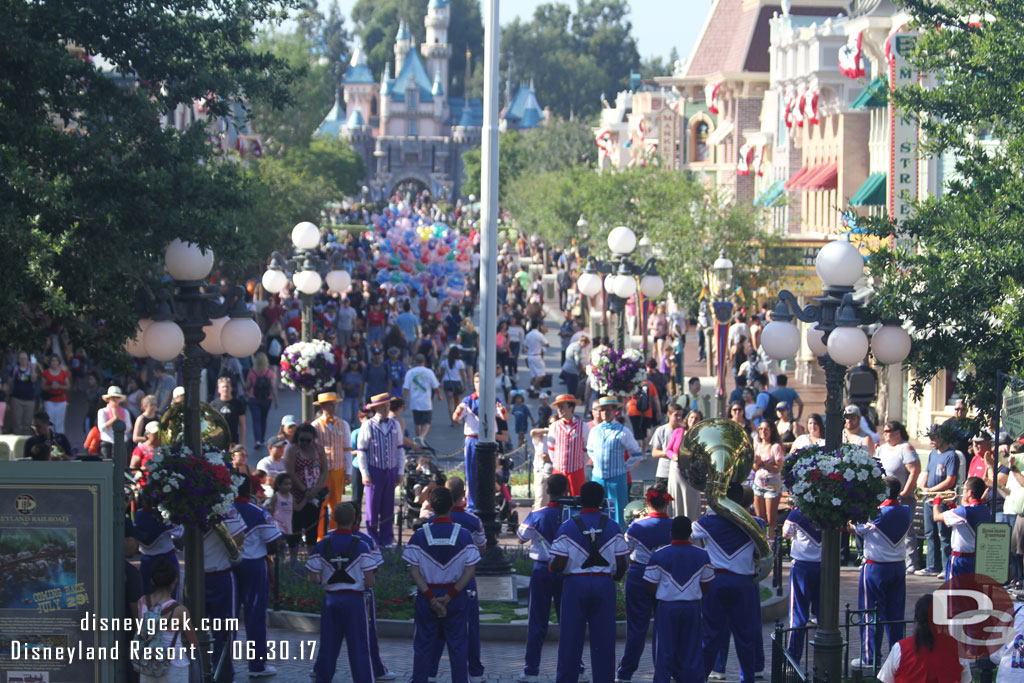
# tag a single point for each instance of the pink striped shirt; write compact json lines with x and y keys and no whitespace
{"x":570,"y":451}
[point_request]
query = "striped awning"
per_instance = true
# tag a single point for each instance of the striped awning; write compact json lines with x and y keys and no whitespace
{"x":795,"y":181}
{"x":772,"y":195}
{"x":876,"y":94}
{"x":825,"y":177}
{"x":718,"y":135}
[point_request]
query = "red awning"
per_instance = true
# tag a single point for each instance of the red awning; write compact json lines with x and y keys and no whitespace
{"x":825,"y":177}
{"x":796,"y":181}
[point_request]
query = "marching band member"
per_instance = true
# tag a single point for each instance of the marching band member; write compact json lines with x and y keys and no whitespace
{"x":804,"y":577}
{"x":471,"y":522}
{"x":221,"y":598}
{"x":883,"y":578}
{"x":608,"y":444}
{"x":964,"y":522}
{"x":643,"y":537}
{"x":677,"y":576}
{"x":590,"y":550}
{"x":345,"y":566}
{"x":733,"y":603}
{"x":539,"y":530}
{"x":441,"y":556}
{"x":380,"y":672}
{"x":252,"y":575}
{"x":156,"y":540}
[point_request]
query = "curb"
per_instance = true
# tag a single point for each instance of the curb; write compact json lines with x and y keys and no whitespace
{"x":402,"y":628}
{"x":775,"y":607}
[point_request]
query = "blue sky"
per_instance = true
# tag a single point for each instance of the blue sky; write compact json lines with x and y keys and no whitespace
{"x":657,"y":24}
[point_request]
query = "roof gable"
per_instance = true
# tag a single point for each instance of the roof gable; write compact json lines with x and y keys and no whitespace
{"x":332,"y":123}
{"x":524,"y":111}
{"x":358,"y":70}
{"x":412,"y":74}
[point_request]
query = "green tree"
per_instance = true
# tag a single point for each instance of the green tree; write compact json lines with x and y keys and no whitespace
{"x":955,"y":271}
{"x":377,"y":23}
{"x":572,"y":57}
{"x":92,"y":186}
{"x":687,"y":224}
{"x":312,"y":93}
{"x":556,"y":145}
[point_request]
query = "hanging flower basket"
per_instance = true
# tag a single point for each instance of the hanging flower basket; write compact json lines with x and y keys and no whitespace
{"x":615,"y":373}
{"x":832,"y":488}
{"x":309,"y":365}
{"x":189,"y":489}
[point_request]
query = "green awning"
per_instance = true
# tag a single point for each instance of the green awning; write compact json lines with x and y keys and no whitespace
{"x":875,"y":95}
{"x":772,"y":195}
{"x":872,"y":192}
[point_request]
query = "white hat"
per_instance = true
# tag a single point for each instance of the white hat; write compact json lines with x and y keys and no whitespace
{"x":178,"y":391}
{"x":152,"y":427}
{"x":113,"y":391}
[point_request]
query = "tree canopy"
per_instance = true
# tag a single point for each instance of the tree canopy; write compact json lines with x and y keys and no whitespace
{"x":572,"y":57}
{"x":955,"y":271}
{"x":687,"y":223}
{"x":556,"y":145}
{"x":92,"y":186}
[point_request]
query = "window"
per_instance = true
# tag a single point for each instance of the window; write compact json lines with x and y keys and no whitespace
{"x":412,"y":128}
{"x":411,"y":99}
{"x":700,"y":141}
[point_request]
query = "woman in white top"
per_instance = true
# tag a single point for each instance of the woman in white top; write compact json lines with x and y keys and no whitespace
{"x":453,"y":378}
{"x":107,"y":416}
{"x":814,"y":436}
{"x":900,"y":460}
{"x":178,"y":639}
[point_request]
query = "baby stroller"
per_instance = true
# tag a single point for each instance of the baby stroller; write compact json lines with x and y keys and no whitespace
{"x":422,"y":473}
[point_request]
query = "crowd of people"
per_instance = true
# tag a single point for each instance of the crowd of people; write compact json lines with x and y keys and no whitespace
{"x":325,"y":492}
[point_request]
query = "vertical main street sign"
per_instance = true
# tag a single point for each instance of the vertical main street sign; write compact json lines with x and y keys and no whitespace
{"x":903,"y":131}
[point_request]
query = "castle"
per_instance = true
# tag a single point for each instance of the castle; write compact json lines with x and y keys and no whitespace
{"x":409,"y":132}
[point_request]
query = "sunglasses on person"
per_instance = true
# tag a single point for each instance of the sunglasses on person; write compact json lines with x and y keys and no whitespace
{"x":305,"y":440}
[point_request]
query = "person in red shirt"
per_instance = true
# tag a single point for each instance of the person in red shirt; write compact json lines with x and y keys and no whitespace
{"x":56,"y":382}
{"x":927,"y":656}
{"x":642,"y":420}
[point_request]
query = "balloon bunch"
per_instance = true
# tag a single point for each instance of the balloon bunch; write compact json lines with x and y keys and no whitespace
{"x":411,"y":253}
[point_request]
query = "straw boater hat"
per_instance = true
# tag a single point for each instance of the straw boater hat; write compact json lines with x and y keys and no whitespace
{"x":564,"y":398}
{"x":113,"y":391}
{"x":326,"y":397}
{"x":379,"y":400}
{"x":608,"y":401}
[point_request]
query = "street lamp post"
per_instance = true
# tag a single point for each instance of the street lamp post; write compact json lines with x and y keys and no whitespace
{"x":190,"y":318}
{"x":307,"y":270}
{"x":838,"y":318}
{"x":621,"y":276}
{"x":721,"y":289}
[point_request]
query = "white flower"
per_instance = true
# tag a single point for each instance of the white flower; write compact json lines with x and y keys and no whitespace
{"x":167,"y":489}
{"x":849,"y":474}
{"x":862,"y":475}
{"x":836,"y":502}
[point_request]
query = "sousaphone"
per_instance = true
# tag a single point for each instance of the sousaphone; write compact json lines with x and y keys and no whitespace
{"x":215,"y":431}
{"x":715,"y":453}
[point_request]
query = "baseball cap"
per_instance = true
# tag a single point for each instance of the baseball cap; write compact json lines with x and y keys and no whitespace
{"x":545,"y":394}
{"x":289,"y":421}
{"x":276,"y":441}
{"x":782,"y":405}
{"x":152,"y":427}
{"x":178,"y":392}
{"x":851,"y":410}
{"x":982,"y":436}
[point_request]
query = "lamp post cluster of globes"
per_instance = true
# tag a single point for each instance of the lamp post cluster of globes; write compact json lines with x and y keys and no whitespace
{"x":622,"y":277}
{"x":307,"y":271}
{"x":838,"y":340}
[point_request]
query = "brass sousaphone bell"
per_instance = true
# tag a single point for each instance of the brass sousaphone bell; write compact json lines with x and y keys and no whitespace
{"x":715,"y":453}
{"x":215,"y":429}
{"x":215,"y":433}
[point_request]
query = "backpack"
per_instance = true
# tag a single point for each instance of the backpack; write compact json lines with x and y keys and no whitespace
{"x":274,"y":347}
{"x":643,"y":399}
{"x":769,"y":413}
{"x":261,"y":388}
{"x":150,"y":637}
